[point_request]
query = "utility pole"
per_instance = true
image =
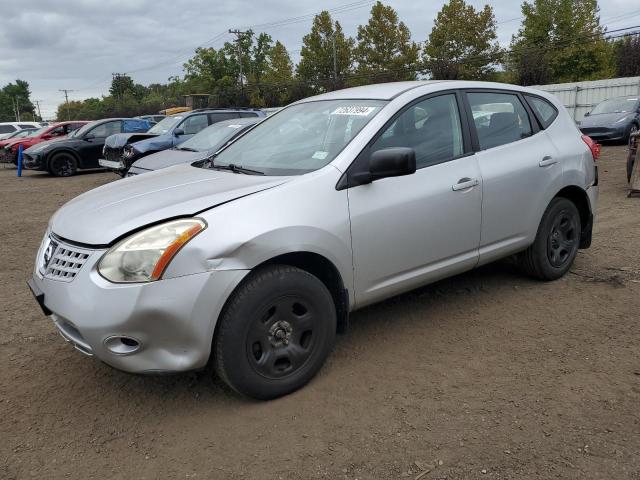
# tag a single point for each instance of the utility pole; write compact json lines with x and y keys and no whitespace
{"x":238,"y":34}
{"x":37,"y":102}
{"x":335,"y":61}
{"x":66,"y":99}
{"x":16,"y":107}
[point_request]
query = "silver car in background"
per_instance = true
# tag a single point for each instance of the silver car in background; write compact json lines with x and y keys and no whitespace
{"x":253,"y":262}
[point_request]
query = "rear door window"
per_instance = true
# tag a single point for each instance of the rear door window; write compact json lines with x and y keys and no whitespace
{"x":499,"y":118}
{"x":24,"y":126}
{"x":105,"y":129}
{"x":248,"y":114}
{"x":546,"y":112}
{"x":219,"y":117}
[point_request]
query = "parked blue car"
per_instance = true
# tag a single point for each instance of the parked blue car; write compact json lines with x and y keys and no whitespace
{"x":614,"y":119}
{"x":121,"y":150}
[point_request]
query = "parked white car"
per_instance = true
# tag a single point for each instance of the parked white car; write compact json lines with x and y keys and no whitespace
{"x":7,"y":128}
{"x":253,"y":260}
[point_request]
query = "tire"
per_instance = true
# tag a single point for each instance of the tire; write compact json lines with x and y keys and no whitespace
{"x":63,"y":165}
{"x":557,"y":241}
{"x":634,"y":129}
{"x":275,"y":332}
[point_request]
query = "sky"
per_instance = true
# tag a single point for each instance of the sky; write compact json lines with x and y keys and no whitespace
{"x":78,"y":44}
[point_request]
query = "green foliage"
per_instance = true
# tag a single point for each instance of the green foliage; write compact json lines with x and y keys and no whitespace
{"x":385,"y":52}
{"x":19,"y":93}
{"x":463,"y":43}
{"x":627,"y":56}
{"x":560,"y":41}
{"x":122,"y":85}
{"x":319,"y":68}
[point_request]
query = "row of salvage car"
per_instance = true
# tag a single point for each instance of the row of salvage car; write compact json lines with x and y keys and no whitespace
{"x":117,"y":143}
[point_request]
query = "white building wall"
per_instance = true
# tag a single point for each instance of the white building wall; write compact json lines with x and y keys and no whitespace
{"x":580,"y":97}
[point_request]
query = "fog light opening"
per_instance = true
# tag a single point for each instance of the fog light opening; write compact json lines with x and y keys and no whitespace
{"x":121,"y":345}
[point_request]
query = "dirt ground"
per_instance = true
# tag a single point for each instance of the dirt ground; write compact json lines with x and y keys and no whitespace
{"x":485,"y":375}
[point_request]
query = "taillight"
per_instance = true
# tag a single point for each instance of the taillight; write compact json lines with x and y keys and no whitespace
{"x":593,"y":146}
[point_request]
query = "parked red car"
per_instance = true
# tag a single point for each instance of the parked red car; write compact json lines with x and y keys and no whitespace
{"x":9,"y":152}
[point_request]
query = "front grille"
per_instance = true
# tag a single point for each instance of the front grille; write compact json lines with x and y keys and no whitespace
{"x":60,"y":261}
{"x":112,"y":154}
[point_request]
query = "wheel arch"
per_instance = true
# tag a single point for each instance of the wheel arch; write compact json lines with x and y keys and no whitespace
{"x":57,"y":151}
{"x":579,"y":197}
{"x":315,"y":264}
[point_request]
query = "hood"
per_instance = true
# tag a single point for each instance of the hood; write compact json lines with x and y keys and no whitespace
{"x":119,"y":140}
{"x":603,"y":119}
{"x":100,"y":216}
{"x":42,"y":146}
{"x":168,"y":158}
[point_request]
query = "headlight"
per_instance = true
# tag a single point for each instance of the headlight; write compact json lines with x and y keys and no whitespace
{"x":144,"y":256}
{"x":623,"y":119}
{"x":127,"y":151}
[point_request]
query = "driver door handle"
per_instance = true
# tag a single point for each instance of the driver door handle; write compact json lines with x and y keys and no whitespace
{"x":464,"y":184}
{"x":547,"y":161}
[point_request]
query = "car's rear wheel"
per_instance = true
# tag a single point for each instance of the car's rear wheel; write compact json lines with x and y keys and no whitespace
{"x":63,"y":165}
{"x":275,"y":333}
{"x":557,"y":241}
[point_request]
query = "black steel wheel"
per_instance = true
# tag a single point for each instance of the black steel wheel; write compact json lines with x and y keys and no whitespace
{"x":557,"y":241}
{"x":563,"y":239}
{"x":63,"y":165}
{"x":275,"y":332}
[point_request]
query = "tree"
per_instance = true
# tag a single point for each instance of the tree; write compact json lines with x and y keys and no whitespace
{"x":278,"y":77}
{"x":463,"y":43}
{"x":560,"y":41}
{"x":121,"y":85}
{"x":323,"y":67}
{"x":15,"y":102}
{"x":627,"y":56}
{"x":385,"y":52}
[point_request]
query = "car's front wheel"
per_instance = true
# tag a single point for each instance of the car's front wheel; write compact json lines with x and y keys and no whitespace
{"x":275,"y":332}
{"x":557,"y":241}
{"x":63,"y":165}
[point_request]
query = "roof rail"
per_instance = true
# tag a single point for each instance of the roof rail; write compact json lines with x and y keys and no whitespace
{"x":208,"y":109}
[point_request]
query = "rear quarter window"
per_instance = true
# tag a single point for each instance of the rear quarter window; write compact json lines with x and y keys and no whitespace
{"x":7,"y":129}
{"x":543,"y":109}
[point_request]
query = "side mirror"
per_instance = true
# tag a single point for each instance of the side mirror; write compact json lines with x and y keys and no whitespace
{"x":587,"y":114}
{"x":89,"y":136}
{"x":178,"y":131}
{"x":392,"y":162}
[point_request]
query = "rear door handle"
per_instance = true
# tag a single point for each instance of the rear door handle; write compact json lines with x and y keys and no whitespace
{"x":464,"y":184}
{"x":547,"y":161}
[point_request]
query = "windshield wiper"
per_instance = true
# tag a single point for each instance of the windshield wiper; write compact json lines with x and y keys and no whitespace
{"x":236,"y":169}
{"x":187,"y":149}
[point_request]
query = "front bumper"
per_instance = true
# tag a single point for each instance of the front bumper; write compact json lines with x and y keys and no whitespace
{"x":33,"y":161}
{"x":605,"y":133}
{"x":173,"y":320}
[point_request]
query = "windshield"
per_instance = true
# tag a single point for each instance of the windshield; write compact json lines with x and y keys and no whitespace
{"x":300,"y":138}
{"x":615,"y":105}
{"x":212,"y":137}
{"x":165,"y":124}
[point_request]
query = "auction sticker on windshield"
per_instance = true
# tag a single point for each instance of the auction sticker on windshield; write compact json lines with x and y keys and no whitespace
{"x":358,"y":110}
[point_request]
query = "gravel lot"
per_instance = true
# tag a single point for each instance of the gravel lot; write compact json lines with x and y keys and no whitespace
{"x":485,"y":375}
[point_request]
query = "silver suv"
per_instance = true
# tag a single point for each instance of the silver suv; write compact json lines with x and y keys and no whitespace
{"x":253,"y":259}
